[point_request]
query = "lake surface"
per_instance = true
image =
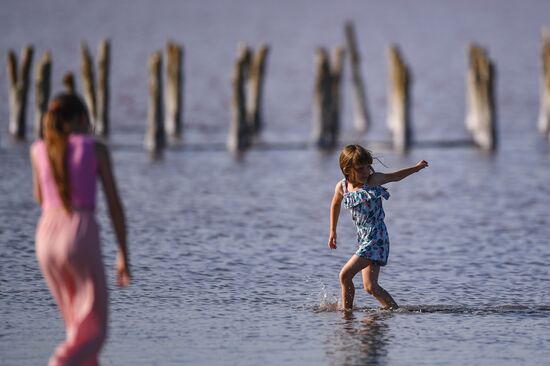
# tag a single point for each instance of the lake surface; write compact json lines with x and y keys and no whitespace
{"x":229,"y":256}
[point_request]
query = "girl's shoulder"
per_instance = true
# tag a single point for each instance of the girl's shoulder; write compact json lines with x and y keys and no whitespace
{"x":341,"y":186}
{"x":88,"y":142}
{"x":37,"y":144}
{"x":82,"y":138}
{"x":100,"y":146}
{"x":37,"y":147}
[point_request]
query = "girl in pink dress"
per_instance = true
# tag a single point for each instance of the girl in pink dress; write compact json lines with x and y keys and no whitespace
{"x":65,"y":166}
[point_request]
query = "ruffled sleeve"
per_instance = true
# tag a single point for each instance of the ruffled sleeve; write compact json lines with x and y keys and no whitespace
{"x":352,"y":199}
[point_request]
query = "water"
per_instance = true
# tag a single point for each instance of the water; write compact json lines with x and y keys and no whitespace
{"x":229,"y":255}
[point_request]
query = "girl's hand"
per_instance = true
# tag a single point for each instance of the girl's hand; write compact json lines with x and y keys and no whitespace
{"x":421,"y":165}
{"x":122,"y":271}
{"x":332,"y":241}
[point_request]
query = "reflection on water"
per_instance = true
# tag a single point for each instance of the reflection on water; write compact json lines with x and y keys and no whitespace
{"x":368,"y":335}
{"x":359,"y":339}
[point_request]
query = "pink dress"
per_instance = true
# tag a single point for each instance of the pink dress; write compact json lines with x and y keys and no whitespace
{"x":69,"y":252}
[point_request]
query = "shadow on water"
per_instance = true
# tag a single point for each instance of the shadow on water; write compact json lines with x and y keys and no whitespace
{"x":360,"y":339}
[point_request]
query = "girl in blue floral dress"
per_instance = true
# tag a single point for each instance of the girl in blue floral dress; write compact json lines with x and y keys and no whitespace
{"x":361,"y":192}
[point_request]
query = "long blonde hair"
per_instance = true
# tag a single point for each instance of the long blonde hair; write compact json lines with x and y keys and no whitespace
{"x":59,"y":120}
{"x":351,"y":157}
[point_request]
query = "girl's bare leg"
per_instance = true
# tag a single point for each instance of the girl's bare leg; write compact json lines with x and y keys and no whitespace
{"x":354,"y":265}
{"x":370,"y":283}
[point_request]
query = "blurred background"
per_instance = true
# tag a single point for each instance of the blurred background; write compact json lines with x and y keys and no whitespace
{"x":432,"y":35}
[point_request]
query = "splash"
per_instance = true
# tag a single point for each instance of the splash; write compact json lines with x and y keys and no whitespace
{"x":327,"y":301}
{"x":320,"y":298}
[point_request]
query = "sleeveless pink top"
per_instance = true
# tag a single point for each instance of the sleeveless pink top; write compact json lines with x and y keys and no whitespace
{"x":83,"y":172}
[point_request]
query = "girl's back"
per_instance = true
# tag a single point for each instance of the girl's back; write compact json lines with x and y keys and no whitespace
{"x":82,"y":168}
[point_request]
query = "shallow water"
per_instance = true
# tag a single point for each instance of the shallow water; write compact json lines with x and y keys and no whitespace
{"x":229,"y":255}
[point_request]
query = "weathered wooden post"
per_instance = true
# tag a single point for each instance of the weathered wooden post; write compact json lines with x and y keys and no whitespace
{"x":398,"y":100}
{"x":19,"y":86}
{"x":42,"y":92}
{"x":69,"y":83}
{"x":97,"y":100}
{"x":254,"y":102}
{"x":101,"y":125}
{"x":155,"y":137}
{"x":361,"y":116}
{"x":239,"y":138}
{"x":322,"y":101}
{"x":336,"y":71}
{"x":544,"y":112}
{"x":174,"y":87}
{"x":481,"y":114}
{"x":88,"y":81}
{"x":471,"y":95}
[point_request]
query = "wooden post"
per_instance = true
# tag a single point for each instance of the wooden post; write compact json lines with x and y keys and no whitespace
{"x":238,"y":139}
{"x":42,"y":92}
{"x":174,"y":87}
{"x":472,"y":112}
{"x":68,"y":83}
{"x":398,"y":100}
{"x":361,"y":117}
{"x":254,"y":103}
{"x":155,"y":136}
{"x":19,"y":86}
{"x":481,"y":116}
{"x":336,"y":71}
{"x":471,"y":97}
{"x":322,"y":105}
{"x":88,"y":81}
{"x":544,"y":112}
{"x":101,"y":125}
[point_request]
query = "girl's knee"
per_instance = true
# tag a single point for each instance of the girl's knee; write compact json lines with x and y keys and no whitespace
{"x":345,"y":277}
{"x":371,"y":288}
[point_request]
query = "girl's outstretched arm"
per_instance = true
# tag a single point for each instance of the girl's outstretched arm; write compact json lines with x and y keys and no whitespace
{"x":334,"y":214}
{"x":378,"y":179}
{"x":115,"y":210}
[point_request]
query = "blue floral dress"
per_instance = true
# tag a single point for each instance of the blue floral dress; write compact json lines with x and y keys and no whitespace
{"x":368,"y":215}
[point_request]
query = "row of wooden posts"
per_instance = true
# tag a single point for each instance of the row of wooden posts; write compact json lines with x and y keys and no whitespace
{"x":165,"y":118}
{"x":327,"y":105}
{"x":165,"y":115}
{"x":97,"y":99}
